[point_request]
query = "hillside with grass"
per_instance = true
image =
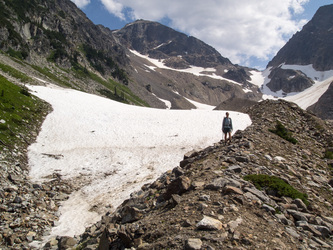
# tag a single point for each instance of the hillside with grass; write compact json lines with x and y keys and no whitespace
{"x":21,"y":116}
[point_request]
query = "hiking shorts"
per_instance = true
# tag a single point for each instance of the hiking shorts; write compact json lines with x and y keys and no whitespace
{"x":226,"y":130}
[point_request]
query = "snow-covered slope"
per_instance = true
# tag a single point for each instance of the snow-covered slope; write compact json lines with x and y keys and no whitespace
{"x":195,"y":70}
{"x":111,"y":149}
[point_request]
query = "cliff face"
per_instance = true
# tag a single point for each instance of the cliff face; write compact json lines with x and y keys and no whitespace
{"x":312,"y":45}
{"x":56,"y":31}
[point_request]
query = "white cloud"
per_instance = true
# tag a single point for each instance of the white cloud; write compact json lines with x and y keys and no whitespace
{"x":81,"y":3}
{"x":239,"y":29}
{"x":114,"y":7}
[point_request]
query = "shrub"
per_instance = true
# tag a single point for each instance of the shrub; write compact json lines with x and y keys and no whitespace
{"x":328,"y":154}
{"x":276,"y":185}
{"x":284,"y":133}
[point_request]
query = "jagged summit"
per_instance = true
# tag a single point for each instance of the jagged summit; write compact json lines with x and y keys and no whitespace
{"x":161,"y":42}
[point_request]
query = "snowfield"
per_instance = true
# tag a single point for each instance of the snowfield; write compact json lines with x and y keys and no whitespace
{"x":111,"y":149}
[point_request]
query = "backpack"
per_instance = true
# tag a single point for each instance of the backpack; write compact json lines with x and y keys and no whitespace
{"x":227,"y":122}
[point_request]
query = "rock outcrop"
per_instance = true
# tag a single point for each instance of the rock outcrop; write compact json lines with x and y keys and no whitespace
{"x":288,"y":80}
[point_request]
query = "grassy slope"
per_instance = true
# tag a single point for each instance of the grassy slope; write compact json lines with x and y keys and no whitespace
{"x":21,"y":115}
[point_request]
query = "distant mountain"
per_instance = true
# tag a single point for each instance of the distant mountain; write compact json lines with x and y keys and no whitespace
{"x":161,"y":42}
{"x":171,"y":65}
{"x":313,"y":45}
{"x":61,"y":45}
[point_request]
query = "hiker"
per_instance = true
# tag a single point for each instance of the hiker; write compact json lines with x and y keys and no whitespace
{"x":227,"y":127}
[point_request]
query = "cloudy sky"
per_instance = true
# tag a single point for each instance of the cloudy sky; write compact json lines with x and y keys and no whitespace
{"x":248,"y":32}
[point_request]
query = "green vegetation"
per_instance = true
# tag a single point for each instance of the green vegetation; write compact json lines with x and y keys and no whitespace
{"x":95,"y":57}
{"x":57,"y":42}
{"x":45,"y":71}
{"x":284,"y":133}
{"x":19,"y":112}
{"x":117,"y":91}
{"x":276,"y":185}
{"x":328,"y":154}
{"x":22,"y":55}
{"x":15,"y":73}
{"x":21,"y":7}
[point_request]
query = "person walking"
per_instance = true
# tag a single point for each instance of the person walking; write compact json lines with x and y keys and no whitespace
{"x":227,"y":127}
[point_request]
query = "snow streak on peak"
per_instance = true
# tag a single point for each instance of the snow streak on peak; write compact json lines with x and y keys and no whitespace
{"x":317,"y":76}
{"x":198,"y":71}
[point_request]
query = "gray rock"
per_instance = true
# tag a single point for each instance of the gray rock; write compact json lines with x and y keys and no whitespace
{"x":325,"y":231}
{"x":231,"y":190}
{"x":242,"y":159}
{"x":232,"y":225}
{"x":191,"y":154}
{"x":193,"y":244}
{"x":178,"y":186}
{"x":302,"y":223}
{"x":130,"y":214}
{"x":283,"y":219}
{"x":300,"y":204}
{"x":235,"y":168}
{"x":268,"y":208}
{"x":209,"y":223}
{"x":292,"y":232}
{"x":234,"y":183}
{"x":204,"y":197}
{"x":217,"y":184}
{"x":257,"y":193}
{"x":66,"y":242}
{"x":251,"y":196}
{"x":178,"y":171}
{"x":299,"y":216}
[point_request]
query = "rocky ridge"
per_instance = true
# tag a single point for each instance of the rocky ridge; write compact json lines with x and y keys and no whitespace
{"x":205,"y":202}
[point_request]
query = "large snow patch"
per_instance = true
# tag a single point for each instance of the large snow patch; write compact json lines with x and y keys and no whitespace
{"x":113,"y":148}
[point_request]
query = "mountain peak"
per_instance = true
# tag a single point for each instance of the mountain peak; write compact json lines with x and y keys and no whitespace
{"x":311,"y":45}
{"x":162,"y":42}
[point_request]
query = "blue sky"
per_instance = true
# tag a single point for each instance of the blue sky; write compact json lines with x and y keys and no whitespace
{"x":248,"y":32}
